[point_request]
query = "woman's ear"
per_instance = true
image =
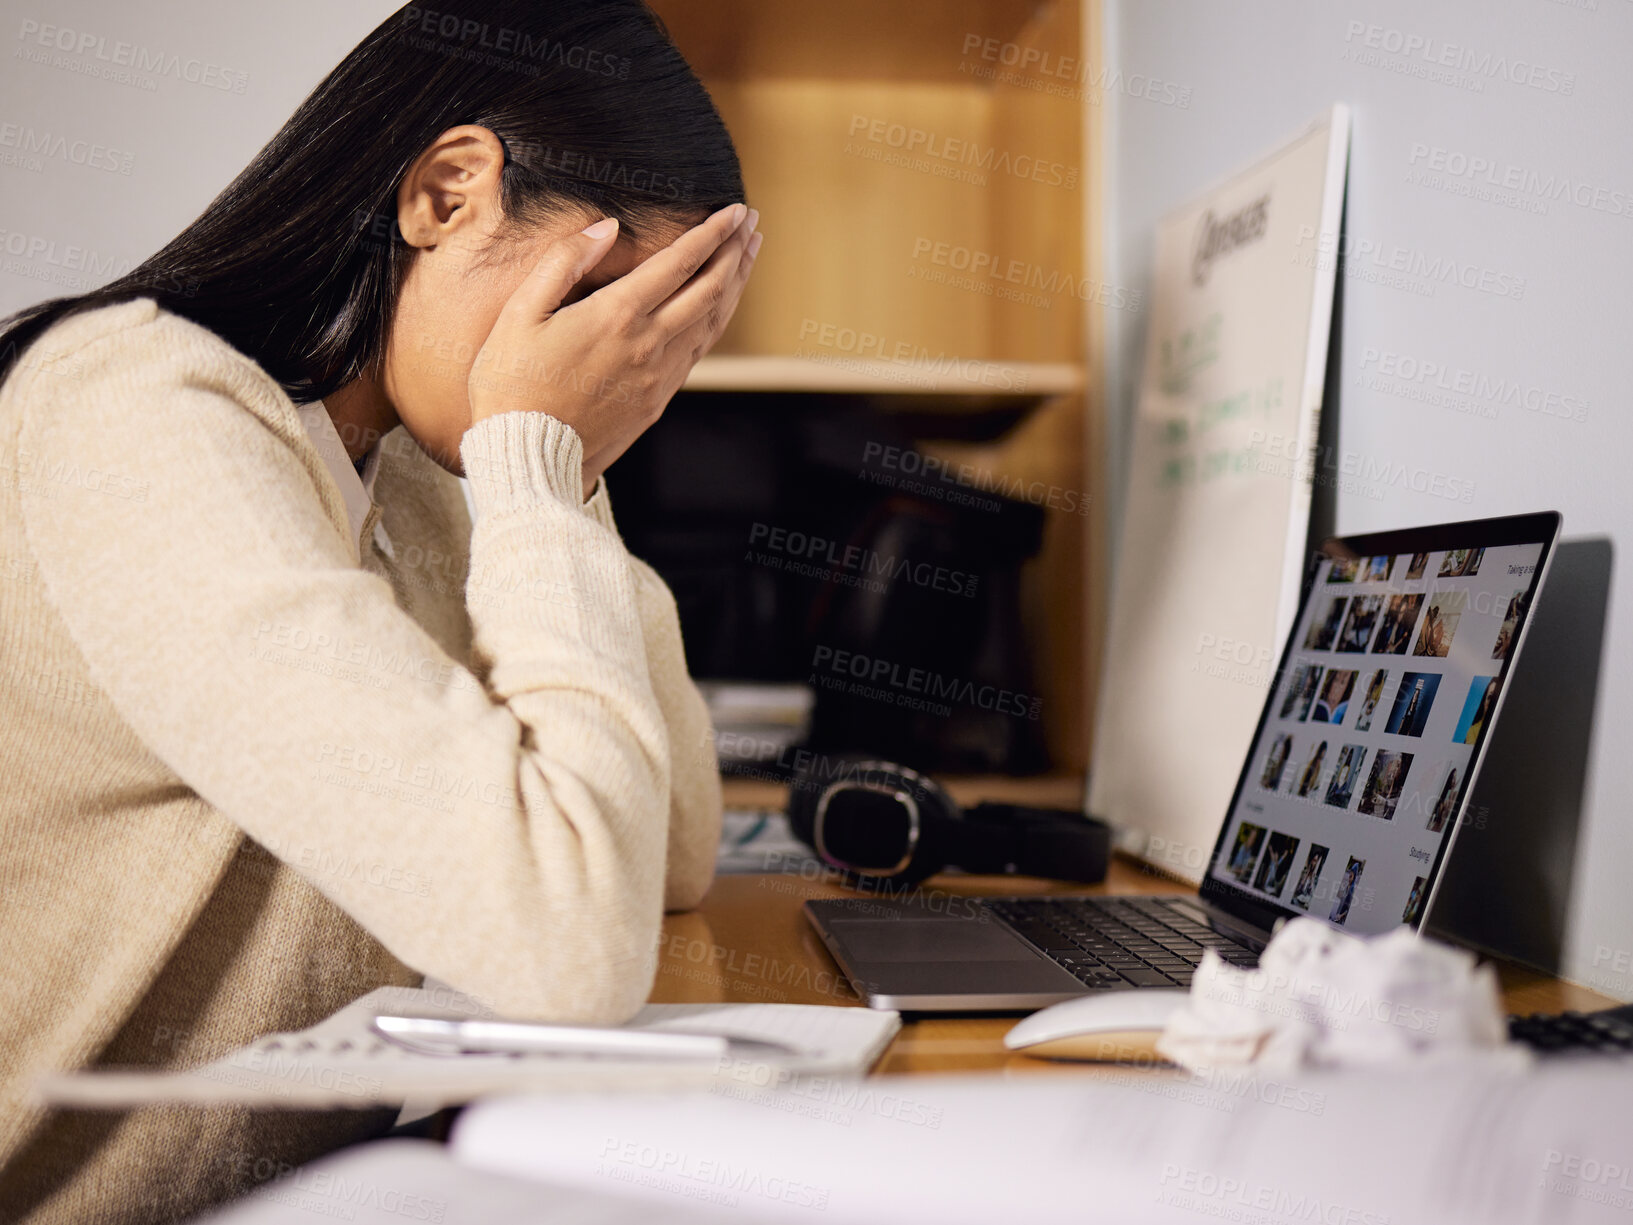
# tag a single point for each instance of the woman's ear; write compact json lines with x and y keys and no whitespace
{"x":453,"y":190}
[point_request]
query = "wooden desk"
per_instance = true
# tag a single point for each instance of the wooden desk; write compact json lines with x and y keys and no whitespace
{"x":749,"y":942}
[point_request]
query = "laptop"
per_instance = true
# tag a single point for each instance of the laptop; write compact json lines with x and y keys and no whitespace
{"x":1346,"y":809}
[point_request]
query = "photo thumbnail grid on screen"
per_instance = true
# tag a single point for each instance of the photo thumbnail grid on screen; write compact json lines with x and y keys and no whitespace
{"x":1394,"y":672}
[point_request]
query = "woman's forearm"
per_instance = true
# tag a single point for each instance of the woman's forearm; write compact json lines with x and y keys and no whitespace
{"x":695,"y":792}
{"x":694,"y":773}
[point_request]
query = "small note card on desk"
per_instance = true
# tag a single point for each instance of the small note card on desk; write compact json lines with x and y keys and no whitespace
{"x":343,"y":1063}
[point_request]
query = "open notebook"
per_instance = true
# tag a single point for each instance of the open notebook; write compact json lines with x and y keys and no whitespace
{"x":1465,"y":1142}
{"x":342,"y":1063}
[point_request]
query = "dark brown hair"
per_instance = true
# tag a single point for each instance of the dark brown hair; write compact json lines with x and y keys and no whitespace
{"x":298,"y":262}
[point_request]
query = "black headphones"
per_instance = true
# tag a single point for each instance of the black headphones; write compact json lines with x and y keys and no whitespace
{"x":876,"y":820}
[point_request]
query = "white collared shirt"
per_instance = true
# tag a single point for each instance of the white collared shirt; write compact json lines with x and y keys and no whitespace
{"x":357,"y":492}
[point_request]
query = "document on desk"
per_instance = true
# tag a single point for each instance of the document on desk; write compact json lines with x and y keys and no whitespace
{"x":394,"y":1182}
{"x":1470,"y":1142}
{"x":341,"y":1062}
{"x":760,"y":840}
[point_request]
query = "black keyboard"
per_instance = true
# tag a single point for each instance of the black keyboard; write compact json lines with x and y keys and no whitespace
{"x":1120,"y":942}
{"x":1605,"y":1033}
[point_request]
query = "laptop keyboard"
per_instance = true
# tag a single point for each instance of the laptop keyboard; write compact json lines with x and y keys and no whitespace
{"x":1119,"y":942}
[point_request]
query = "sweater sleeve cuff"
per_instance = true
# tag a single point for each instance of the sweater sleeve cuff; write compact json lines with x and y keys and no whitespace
{"x":599,"y":507}
{"x":516,"y":460}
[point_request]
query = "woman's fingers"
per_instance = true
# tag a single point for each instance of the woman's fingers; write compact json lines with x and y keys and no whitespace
{"x":686,"y":345}
{"x":567,"y":262}
{"x":655,"y":281}
{"x":608,"y":365}
{"x":734,"y":293}
{"x":689,"y":346}
{"x":692,"y":341}
{"x":716,"y":287}
{"x":744,"y":269}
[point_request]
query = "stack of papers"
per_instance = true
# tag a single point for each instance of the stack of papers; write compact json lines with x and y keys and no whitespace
{"x":757,"y":722}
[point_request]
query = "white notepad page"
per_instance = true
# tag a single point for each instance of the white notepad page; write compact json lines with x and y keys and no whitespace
{"x":341,"y":1062}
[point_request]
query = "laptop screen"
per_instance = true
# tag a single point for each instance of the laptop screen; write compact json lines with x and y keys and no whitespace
{"x":1364,"y":753}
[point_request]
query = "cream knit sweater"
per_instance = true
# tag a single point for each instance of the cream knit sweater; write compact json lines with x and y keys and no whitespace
{"x":247,"y":775}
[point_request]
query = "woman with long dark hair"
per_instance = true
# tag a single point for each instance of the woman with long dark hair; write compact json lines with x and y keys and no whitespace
{"x":280,"y":721}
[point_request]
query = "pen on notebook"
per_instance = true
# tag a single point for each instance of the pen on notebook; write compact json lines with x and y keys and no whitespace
{"x":440,"y":1037}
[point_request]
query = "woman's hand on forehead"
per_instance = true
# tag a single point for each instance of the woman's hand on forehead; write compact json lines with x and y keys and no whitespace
{"x":608,"y":363}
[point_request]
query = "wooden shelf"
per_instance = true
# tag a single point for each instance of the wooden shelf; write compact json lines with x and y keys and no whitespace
{"x":927,"y":176}
{"x":1043,"y":791}
{"x":840,"y":39}
{"x":871,"y":376}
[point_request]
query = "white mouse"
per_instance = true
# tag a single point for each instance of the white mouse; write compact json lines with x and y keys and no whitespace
{"x":1108,"y":1026}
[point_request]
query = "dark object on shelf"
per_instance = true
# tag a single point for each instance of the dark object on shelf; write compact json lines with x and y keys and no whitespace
{"x":806,"y":542}
{"x":929,"y":664}
{"x":878,"y":821}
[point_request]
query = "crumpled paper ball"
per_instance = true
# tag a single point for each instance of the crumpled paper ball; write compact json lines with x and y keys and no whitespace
{"x":1323,"y":998}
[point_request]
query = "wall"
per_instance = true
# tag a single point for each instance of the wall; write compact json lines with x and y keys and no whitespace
{"x":1483,"y":313}
{"x":96,"y":173}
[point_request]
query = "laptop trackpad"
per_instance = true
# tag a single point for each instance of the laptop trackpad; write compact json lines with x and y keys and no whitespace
{"x":934,"y":939}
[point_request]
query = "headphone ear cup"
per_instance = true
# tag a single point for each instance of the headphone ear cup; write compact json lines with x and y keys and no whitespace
{"x":939,"y":814}
{"x":935,"y":808}
{"x":936,"y":804}
{"x":809,"y":782}
{"x":802,"y":801}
